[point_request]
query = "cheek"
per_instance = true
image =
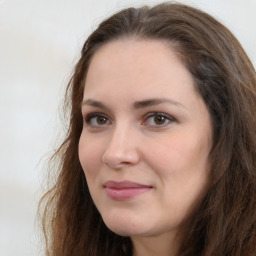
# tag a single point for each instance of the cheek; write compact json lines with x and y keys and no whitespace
{"x":90,"y":157}
{"x":170,"y":152}
{"x":181,"y":160}
{"x":182,"y":167}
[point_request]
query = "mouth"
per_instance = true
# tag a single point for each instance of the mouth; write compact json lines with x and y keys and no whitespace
{"x":124,"y":190}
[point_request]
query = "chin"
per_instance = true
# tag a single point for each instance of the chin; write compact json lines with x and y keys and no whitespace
{"x":123,"y":225}
{"x":121,"y":231}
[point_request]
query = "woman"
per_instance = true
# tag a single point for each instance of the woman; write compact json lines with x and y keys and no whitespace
{"x":160,"y":155}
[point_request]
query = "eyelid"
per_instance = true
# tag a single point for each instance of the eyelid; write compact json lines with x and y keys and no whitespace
{"x":153,"y":114}
{"x":88,"y":117}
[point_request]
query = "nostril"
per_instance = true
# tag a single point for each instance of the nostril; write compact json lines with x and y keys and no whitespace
{"x":119,"y":159}
{"x":120,"y":151}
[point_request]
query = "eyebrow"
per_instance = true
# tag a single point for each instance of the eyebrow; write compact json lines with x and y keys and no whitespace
{"x":94,"y":103}
{"x":155,"y":101}
{"x":137,"y":104}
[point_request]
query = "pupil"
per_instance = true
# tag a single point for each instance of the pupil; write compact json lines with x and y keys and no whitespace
{"x":159,"y":119}
{"x":101,"y":120}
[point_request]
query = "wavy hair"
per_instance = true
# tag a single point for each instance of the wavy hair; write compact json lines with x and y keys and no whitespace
{"x":225,"y":221}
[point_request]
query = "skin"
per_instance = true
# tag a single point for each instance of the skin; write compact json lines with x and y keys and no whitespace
{"x":162,"y":143}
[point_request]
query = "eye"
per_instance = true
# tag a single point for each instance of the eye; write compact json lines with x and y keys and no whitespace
{"x":97,"y":120}
{"x":158,"y":119}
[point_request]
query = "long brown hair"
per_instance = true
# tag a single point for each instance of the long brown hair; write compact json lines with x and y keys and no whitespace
{"x":225,"y":221}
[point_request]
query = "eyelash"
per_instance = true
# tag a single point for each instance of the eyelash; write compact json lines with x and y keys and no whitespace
{"x":167,"y":119}
{"x":89,"y":117}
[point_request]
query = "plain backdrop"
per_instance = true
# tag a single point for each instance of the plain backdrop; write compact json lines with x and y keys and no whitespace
{"x":40,"y":42}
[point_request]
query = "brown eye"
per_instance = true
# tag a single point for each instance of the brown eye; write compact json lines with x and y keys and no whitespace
{"x":101,"y":120}
{"x":159,"y":119}
{"x":97,"y":120}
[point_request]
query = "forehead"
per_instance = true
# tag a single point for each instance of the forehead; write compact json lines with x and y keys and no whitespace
{"x":136,"y":64}
{"x":125,"y":72}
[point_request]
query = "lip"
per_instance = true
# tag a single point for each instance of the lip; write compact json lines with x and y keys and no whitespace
{"x":124,"y":190}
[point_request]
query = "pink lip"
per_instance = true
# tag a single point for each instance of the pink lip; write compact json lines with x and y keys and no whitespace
{"x":124,"y":190}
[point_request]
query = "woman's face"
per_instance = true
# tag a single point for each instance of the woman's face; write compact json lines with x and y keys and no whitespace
{"x":146,"y":138}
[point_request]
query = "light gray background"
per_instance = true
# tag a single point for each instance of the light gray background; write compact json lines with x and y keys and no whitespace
{"x":39,"y":44}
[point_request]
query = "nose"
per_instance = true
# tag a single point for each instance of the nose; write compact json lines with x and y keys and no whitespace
{"x":122,"y":149}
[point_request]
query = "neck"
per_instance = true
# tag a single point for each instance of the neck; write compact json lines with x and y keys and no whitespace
{"x":162,"y":245}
